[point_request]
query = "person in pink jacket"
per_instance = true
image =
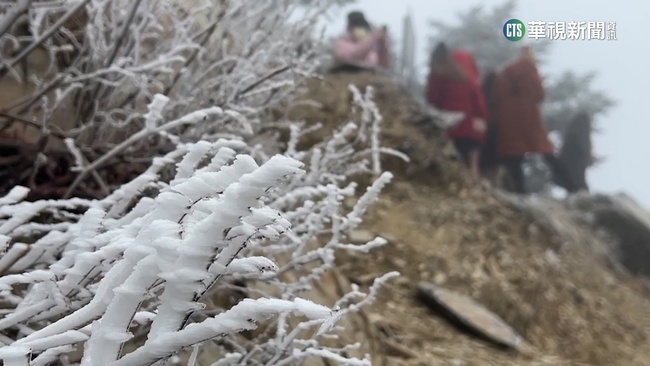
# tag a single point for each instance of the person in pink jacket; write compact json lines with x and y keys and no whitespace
{"x":361,"y":44}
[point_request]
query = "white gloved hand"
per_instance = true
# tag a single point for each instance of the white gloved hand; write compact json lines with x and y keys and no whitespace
{"x":479,"y":124}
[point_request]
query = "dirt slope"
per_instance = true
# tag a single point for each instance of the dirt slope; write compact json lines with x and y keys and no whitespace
{"x":559,"y":293}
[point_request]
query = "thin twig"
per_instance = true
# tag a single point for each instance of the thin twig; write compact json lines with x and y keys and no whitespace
{"x":42,"y":143}
{"x":123,"y":33}
{"x":29,"y":100}
{"x":98,"y":179}
{"x":59,"y":134}
{"x":122,"y":146}
{"x":111,"y":58}
{"x":254,"y":85}
{"x":192,"y":57}
{"x":44,"y":37}
{"x":14,"y":12}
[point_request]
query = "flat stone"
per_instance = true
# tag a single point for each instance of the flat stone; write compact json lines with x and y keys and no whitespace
{"x":471,"y":314}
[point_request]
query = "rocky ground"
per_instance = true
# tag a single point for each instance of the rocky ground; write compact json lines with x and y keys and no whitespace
{"x":566,"y":301}
{"x":533,"y":263}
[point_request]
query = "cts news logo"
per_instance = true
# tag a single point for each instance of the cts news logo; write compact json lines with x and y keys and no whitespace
{"x":514,"y":30}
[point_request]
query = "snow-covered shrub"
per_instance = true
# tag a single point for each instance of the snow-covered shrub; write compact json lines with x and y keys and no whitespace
{"x":108,"y":58}
{"x":129,"y":271}
{"x":132,"y":278}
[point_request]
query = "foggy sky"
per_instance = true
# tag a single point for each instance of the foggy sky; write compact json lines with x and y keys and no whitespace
{"x":622,"y":67}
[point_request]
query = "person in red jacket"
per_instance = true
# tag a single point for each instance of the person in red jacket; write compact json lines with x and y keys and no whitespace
{"x":466,"y":61}
{"x":520,"y":92}
{"x":450,"y":87}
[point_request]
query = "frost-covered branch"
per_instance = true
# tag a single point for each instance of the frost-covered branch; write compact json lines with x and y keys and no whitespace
{"x":166,"y":253}
{"x":111,"y":61}
{"x":148,"y":271}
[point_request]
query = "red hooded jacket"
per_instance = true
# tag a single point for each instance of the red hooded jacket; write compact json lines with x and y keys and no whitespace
{"x":460,"y":96}
{"x":520,"y":91}
{"x":465,"y":60}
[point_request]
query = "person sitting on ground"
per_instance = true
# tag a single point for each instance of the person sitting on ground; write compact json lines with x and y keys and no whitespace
{"x":361,"y":45}
{"x":449,"y":87}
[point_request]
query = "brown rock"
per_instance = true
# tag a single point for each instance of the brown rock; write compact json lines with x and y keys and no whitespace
{"x":471,"y":314}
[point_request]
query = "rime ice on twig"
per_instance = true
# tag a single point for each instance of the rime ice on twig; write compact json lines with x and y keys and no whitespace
{"x":145,"y":263}
{"x":15,"y":355}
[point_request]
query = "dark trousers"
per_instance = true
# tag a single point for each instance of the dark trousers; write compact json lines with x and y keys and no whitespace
{"x":580,"y":182}
{"x":466,"y":146}
{"x":515,"y":169}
